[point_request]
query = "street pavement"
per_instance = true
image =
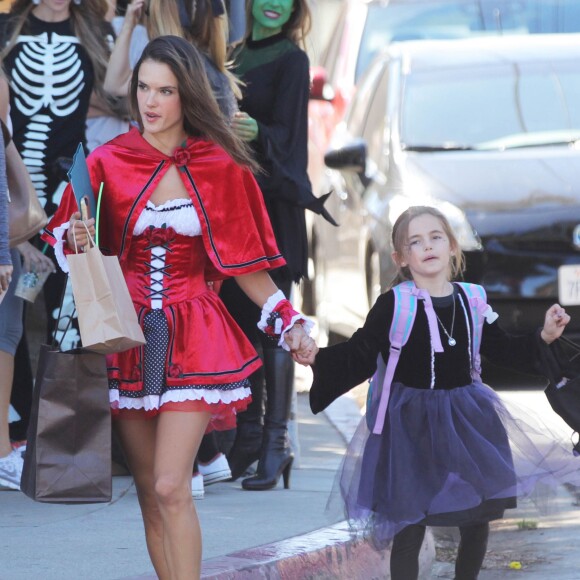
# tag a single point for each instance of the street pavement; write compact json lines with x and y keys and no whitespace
{"x":275,"y":534}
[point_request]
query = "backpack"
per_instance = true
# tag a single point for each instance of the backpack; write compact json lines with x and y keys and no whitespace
{"x":406,"y":295}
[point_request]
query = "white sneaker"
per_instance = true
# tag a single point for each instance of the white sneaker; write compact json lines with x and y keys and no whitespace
{"x":216,"y":470}
{"x":11,"y":471}
{"x":197,"y":491}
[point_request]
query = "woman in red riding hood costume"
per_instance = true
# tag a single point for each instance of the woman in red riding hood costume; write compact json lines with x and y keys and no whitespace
{"x":180,"y":208}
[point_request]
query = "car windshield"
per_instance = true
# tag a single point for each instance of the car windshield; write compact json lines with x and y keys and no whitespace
{"x":400,"y":21}
{"x":497,"y":106}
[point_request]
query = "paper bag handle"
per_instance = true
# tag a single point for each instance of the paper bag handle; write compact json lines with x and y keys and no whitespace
{"x":88,"y":234}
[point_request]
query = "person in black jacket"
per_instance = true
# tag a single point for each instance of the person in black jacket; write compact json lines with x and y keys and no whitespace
{"x":273,"y":118}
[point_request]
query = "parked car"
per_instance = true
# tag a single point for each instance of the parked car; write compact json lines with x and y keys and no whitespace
{"x":364,"y":27}
{"x":486,"y":129}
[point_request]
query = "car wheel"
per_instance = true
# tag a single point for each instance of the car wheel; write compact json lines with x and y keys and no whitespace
{"x":373,"y":275}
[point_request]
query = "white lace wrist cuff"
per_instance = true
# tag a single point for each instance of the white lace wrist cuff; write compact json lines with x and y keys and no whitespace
{"x":59,"y":234}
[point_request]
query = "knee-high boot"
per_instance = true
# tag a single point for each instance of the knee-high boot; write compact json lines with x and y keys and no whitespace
{"x":250,"y":426}
{"x":276,"y":457}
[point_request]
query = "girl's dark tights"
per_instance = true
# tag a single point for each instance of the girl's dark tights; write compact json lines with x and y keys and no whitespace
{"x":407,"y":545}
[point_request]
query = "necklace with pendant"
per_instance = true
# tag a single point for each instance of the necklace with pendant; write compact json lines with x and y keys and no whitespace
{"x":450,"y":340}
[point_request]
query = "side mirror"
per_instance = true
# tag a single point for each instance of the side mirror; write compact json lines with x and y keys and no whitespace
{"x":320,"y":90}
{"x":350,"y":157}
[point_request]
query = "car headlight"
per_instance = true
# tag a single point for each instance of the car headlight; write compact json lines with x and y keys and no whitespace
{"x":465,"y":234}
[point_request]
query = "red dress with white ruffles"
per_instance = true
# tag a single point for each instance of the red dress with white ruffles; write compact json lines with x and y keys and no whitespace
{"x":196,"y":357}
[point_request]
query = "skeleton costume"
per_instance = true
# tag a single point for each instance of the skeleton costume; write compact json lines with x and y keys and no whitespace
{"x":196,"y":357}
{"x":51,"y":80}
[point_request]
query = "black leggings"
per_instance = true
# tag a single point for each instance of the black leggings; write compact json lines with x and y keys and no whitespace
{"x":407,"y":545}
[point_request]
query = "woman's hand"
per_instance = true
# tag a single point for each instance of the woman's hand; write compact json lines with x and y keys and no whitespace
{"x":133,"y":14}
{"x":34,"y":259}
{"x":555,"y":321}
{"x":302,"y":347}
{"x":244,"y":126}
{"x":78,"y":232}
{"x":5,"y":277}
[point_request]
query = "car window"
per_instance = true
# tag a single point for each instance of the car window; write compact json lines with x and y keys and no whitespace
{"x":404,"y":20}
{"x":493,"y":106}
{"x":375,"y":121}
{"x":357,"y":113}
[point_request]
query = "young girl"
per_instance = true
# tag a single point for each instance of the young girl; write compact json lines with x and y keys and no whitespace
{"x":444,"y":454}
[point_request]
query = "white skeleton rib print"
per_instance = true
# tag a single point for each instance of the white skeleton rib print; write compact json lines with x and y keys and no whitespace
{"x":47,"y":79}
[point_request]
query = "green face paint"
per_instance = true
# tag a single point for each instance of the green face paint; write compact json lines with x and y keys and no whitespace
{"x":269,"y":17}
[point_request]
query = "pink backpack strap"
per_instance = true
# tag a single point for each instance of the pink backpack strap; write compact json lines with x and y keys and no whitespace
{"x":405,"y":309}
{"x":479,"y":311}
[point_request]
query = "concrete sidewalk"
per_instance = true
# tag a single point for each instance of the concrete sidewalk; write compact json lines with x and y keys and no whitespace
{"x":278,"y":534}
{"x":274,"y":534}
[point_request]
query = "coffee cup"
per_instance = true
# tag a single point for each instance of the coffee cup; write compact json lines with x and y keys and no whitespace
{"x":30,"y":283}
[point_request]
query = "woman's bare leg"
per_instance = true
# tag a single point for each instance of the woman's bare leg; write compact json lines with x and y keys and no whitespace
{"x":7,"y":366}
{"x":177,"y":441}
{"x":137,"y":438}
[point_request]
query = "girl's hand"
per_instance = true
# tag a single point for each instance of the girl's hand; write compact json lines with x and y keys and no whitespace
{"x":555,"y":321}
{"x":5,"y":277}
{"x":244,"y":126}
{"x":34,"y":259}
{"x":78,"y":232}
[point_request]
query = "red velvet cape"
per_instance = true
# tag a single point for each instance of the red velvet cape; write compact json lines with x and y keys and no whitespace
{"x":236,"y":230}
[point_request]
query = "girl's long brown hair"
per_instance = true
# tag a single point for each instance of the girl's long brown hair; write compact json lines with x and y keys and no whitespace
{"x":400,"y":236}
{"x":86,"y":18}
{"x":201,"y":114}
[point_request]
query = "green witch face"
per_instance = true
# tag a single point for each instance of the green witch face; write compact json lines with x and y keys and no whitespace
{"x":270,"y":16}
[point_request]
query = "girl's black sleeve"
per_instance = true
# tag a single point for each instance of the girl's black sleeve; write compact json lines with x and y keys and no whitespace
{"x":341,"y":367}
{"x":526,"y":353}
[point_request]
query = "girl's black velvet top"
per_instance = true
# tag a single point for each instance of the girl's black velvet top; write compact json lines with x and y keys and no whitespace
{"x":343,"y":366}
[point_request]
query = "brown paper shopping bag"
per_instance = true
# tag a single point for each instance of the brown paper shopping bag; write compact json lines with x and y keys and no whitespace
{"x":107,"y":318}
{"x":68,"y":452}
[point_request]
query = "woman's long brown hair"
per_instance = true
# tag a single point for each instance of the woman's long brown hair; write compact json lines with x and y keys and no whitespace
{"x":201,"y":114}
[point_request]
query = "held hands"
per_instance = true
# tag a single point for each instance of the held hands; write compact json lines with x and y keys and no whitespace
{"x":79,"y":232}
{"x":302,"y":347}
{"x":244,"y":126}
{"x":554,"y":323}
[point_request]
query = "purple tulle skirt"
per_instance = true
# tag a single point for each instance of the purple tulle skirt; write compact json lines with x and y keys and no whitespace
{"x":449,"y":458}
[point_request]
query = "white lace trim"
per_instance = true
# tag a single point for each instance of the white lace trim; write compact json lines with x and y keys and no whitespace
{"x":267,"y":310}
{"x":59,"y":233}
{"x":154,"y":402}
{"x":183,"y":219}
{"x":157,"y":261}
{"x":271,"y":303}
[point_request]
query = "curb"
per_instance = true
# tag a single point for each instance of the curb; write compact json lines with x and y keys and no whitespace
{"x":325,"y":554}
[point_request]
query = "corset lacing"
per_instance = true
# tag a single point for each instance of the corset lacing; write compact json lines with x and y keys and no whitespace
{"x":174,"y":216}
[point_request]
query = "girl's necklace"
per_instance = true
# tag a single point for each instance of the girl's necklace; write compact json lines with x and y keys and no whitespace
{"x":450,"y":340}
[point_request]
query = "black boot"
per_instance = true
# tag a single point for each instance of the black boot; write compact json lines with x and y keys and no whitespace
{"x":250,"y":426}
{"x":276,"y":457}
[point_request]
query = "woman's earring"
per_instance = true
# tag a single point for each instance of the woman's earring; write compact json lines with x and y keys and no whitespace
{"x":36,"y":2}
{"x":77,"y":2}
